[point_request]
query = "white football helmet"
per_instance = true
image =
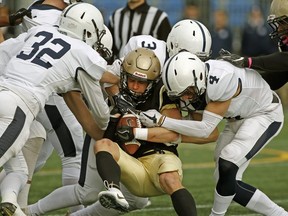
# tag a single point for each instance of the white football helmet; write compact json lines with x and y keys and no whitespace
{"x":278,"y":20}
{"x":190,"y":35}
{"x":182,"y":72}
{"x":82,"y":21}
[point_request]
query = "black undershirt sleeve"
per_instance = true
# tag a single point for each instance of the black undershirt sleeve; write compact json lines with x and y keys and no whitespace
{"x":276,"y":62}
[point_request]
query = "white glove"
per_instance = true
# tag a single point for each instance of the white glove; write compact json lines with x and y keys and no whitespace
{"x":151,"y":118}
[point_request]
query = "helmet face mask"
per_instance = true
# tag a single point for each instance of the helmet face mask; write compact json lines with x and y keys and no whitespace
{"x":104,"y":45}
{"x":141,"y":65}
{"x":278,"y":21}
{"x":192,"y":36}
{"x":82,"y":21}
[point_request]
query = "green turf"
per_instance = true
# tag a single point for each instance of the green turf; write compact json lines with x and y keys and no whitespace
{"x":268,"y":172}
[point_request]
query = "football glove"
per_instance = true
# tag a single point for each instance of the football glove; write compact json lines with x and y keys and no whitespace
{"x":234,"y":59}
{"x":125,"y":134}
{"x":18,"y":15}
{"x":124,"y":103}
{"x":151,"y":118}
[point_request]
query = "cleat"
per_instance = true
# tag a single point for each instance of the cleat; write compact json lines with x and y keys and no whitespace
{"x":113,"y":198}
{"x":7,"y":209}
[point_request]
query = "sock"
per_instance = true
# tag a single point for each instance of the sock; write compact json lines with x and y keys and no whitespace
{"x":261,"y":203}
{"x":183,"y":203}
{"x":221,"y":204}
{"x":108,"y":168}
{"x":70,"y":180}
{"x":11,"y":186}
{"x":62,"y":197}
{"x":95,"y":209}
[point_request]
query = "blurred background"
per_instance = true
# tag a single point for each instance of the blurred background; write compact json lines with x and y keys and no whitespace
{"x":236,"y":25}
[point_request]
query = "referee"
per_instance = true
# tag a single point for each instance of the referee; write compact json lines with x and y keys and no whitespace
{"x":137,"y":18}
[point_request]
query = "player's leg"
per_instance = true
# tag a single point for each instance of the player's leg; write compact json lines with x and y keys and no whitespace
{"x":85,"y":192}
{"x":66,"y":135}
{"x":107,"y":154}
{"x":169,"y":175}
{"x":31,"y":151}
{"x":16,"y":177}
{"x":252,"y":135}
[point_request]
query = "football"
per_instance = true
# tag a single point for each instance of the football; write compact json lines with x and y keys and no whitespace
{"x":132,"y":121}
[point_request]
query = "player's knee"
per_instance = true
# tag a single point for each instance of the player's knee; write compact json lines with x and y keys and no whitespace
{"x":227,"y":168}
{"x":103,"y":145}
{"x":170,"y":182}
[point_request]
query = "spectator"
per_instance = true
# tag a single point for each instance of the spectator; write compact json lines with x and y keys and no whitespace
{"x":137,"y":18}
{"x":255,"y":37}
{"x":191,"y":11}
{"x":221,"y":33}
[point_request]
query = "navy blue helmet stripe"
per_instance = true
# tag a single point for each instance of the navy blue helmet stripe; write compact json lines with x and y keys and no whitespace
{"x":203,"y":36}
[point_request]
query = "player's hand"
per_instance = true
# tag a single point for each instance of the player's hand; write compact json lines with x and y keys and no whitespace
{"x":234,"y":59}
{"x":151,"y":118}
{"x":125,"y":134}
{"x":124,"y":103}
{"x":16,"y":18}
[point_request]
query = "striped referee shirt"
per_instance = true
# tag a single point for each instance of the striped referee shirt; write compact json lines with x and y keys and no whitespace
{"x":143,"y":20}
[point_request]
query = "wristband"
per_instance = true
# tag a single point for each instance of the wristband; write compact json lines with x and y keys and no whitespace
{"x":249,"y":62}
{"x":141,"y":133}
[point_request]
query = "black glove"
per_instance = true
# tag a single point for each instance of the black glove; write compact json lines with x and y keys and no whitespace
{"x":124,"y":103}
{"x":18,"y":15}
{"x":234,"y":59}
{"x":125,"y":134}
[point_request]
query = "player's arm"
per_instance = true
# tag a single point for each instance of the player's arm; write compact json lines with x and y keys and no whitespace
{"x":276,"y":62}
{"x":109,"y":77}
{"x":78,"y":107}
{"x":163,"y":135}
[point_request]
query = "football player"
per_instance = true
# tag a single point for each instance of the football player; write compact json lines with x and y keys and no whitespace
{"x":154,"y":169}
{"x":273,"y":63}
{"x":64,"y":132}
{"x":51,"y":66}
{"x":243,"y":98}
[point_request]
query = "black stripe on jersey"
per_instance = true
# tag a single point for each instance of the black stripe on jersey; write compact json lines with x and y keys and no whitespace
{"x":84,"y":160}
{"x":12,"y":131}
{"x":141,"y":24}
{"x":268,"y":134}
{"x":203,"y":36}
{"x":155,"y":20}
{"x":120,"y":24}
{"x":130,"y":24}
{"x":62,"y":131}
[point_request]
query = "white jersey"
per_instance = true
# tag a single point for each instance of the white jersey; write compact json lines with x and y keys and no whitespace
{"x":41,"y":15}
{"x":255,"y":98}
{"x":52,"y":62}
{"x":222,"y":83}
{"x":149,"y":42}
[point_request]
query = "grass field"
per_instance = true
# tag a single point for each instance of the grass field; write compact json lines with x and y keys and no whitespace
{"x":268,"y":172}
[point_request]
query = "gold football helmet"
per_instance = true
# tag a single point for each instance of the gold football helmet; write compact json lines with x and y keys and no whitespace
{"x":141,"y":64}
